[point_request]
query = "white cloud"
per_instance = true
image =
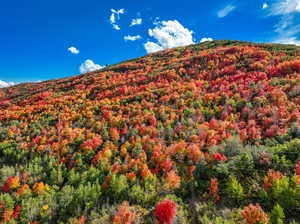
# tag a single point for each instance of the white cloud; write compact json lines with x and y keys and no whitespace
{"x":287,"y":31}
{"x":89,"y":66}
{"x":156,"y":20}
{"x":287,"y":28}
{"x":132,"y":38}
{"x":73,"y":50}
{"x":265,"y":5}
{"x":115,"y":16}
{"x":116,"y":26}
{"x":112,"y":18}
{"x":287,"y":40}
{"x":285,"y":22}
{"x":204,"y":39}
{"x":282,"y":7}
{"x":152,"y":47}
{"x":118,"y":11}
{"x":6,"y":84}
{"x":137,"y":21}
{"x":225,"y":11}
{"x":168,"y":34}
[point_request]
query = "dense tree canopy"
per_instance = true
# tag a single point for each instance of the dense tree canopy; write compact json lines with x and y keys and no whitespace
{"x":201,"y":134}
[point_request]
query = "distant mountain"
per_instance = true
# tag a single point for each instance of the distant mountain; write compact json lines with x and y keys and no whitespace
{"x":208,"y":133}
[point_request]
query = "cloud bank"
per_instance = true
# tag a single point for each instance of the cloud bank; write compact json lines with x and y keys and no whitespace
{"x":4,"y":84}
{"x":89,"y":66}
{"x":168,"y":34}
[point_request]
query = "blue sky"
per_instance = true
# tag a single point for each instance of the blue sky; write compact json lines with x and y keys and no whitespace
{"x":43,"y":39}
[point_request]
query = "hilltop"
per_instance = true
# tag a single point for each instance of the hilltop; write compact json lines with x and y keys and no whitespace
{"x":208,"y":133}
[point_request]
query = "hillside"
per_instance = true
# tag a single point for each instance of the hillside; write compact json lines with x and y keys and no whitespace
{"x":208,"y":133}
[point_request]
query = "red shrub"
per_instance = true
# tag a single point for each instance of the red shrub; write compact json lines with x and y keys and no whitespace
{"x":114,"y":133}
{"x":297,"y":170}
{"x":7,"y":215}
{"x":165,"y":211}
{"x":219,"y":157}
{"x":254,"y":214}
{"x":172,"y":180}
{"x":213,"y":189}
{"x":191,"y":170}
{"x":12,"y":182}
{"x":92,"y":144}
{"x":124,"y":215}
{"x":288,"y":67}
{"x":271,"y":177}
{"x":17,"y":212}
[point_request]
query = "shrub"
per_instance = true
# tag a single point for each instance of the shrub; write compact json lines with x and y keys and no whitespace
{"x":232,"y":147}
{"x":297,"y":169}
{"x":290,"y":150}
{"x":5,"y":172}
{"x":286,"y":192}
{"x":271,"y":177}
{"x":87,"y":195}
{"x":40,"y":188}
{"x":207,"y":213}
{"x":235,"y":190}
{"x":136,"y":194}
{"x":213,"y":189}
{"x":172,"y":180}
{"x":118,"y":185}
{"x":6,"y":200}
{"x":277,"y":215}
{"x":165,"y":211}
{"x":12,"y":182}
{"x":253,"y":214}
{"x":124,"y":215}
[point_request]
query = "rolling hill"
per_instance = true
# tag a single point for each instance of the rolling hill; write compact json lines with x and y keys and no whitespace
{"x":208,"y":133}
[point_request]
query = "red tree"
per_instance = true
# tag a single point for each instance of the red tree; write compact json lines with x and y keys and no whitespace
{"x":165,"y":211}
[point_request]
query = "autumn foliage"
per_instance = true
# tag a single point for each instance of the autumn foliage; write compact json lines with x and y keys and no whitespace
{"x":210,"y":126}
{"x":253,"y":214}
{"x":124,"y":215}
{"x":165,"y":211}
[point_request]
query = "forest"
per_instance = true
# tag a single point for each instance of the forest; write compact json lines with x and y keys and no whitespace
{"x":208,"y":133}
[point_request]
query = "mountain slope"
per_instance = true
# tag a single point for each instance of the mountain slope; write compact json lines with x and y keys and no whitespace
{"x":214,"y":127}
